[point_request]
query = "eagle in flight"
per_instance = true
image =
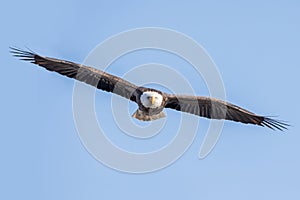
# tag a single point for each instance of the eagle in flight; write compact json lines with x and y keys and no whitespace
{"x":151,"y":102}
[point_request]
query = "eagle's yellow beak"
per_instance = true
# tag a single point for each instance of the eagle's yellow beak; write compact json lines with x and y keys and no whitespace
{"x":152,"y":100}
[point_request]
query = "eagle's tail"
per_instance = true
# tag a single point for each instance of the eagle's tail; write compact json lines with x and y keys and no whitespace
{"x":140,"y":115}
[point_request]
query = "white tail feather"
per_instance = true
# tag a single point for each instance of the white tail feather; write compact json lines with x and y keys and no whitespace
{"x":140,"y":115}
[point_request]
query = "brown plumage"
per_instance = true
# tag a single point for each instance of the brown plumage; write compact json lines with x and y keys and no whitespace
{"x":202,"y":106}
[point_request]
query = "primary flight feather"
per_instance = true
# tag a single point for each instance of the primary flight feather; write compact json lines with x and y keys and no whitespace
{"x":151,"y":102}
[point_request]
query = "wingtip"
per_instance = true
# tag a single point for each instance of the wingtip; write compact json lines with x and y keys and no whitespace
{"x":22,"y":54}
{"x":275,"y":124}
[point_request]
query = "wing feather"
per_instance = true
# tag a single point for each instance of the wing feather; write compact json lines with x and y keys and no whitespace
{"x":217,"y":109}
{"x":89,"y":75}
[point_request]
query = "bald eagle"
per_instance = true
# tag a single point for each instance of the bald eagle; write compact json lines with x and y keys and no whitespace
{"x":151,"y":102}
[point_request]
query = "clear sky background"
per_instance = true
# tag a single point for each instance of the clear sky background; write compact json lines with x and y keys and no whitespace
{"x":256,"y":47}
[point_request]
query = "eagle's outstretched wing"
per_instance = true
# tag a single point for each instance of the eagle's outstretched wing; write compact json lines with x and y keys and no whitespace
{"x":218,"y":109}
{"x":89,"y":75}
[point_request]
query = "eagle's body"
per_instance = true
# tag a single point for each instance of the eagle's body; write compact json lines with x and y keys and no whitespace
{"x":151,"y":102}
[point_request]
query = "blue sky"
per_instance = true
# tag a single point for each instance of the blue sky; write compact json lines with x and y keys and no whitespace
{"x":256,"y":47}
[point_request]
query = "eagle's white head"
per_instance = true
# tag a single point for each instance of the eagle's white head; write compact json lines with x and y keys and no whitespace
{"x":151,"y":99}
